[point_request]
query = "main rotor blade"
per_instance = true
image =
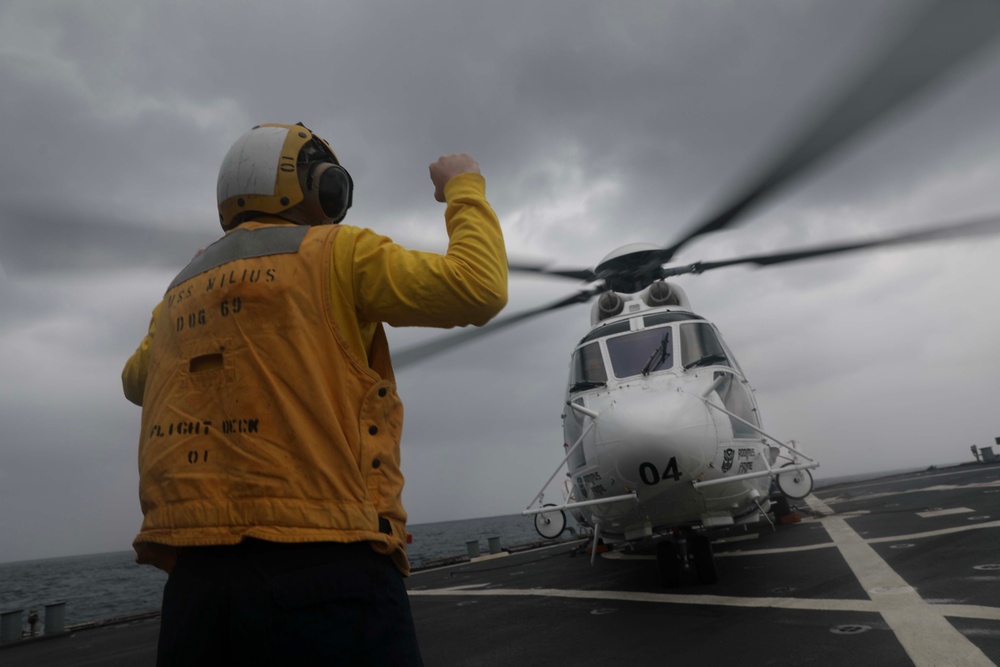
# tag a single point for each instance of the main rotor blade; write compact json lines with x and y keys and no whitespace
{"x":56,"y":239}
{"x":942,"y":36}
{"x":579,"y":274}
{"x":978,"y":227}
{"x":417,"y":353}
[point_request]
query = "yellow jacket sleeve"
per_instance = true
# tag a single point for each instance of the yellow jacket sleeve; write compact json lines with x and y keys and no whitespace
{"x":401,"y":287}
{"x":134,"y":374}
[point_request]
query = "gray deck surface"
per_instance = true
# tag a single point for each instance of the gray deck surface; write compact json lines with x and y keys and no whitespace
{"x":898,"y":571}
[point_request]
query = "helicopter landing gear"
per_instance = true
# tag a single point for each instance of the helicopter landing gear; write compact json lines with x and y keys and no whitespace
{"x":704,"y":559}
{"x":794,"y":484}
{"x":551,"y":524}
{"x":670,"y":564}
{"x":686,"y":558}
{"x":780,"y":506}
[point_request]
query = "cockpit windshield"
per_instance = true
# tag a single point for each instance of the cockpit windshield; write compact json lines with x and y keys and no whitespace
{"x":641,"y":352}
{"x":701,"y":347}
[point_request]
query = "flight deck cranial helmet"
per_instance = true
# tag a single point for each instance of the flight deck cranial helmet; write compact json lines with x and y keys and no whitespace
{"x":284,"y":171}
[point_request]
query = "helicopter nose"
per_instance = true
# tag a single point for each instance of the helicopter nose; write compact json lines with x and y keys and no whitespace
{"x":654,"y":435}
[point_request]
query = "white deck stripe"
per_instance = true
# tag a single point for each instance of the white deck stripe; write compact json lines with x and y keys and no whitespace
{"x":617,"y":555}
{"x":883,"y":481}
{"x":662,"y":598}
{"x":923,"y":631}
{"x":874,"y":540}
{"x":948,"y":512}
{"x":935,"y":533}
{"x":955,"y":610}
{"x":833,"y":500}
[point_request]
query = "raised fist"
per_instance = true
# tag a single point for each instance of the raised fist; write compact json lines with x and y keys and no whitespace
{"x":447,"y":167}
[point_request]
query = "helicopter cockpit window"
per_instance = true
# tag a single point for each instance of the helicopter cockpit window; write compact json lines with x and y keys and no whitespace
{"x":668,"y":317}
{"x":701,"y":347}
{"x":606,"y":330}
{"x":641,"y":352}
{"x":588,"y":369}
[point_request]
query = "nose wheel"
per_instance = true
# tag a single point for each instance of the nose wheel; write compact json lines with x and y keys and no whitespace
{"x":688,"y":558}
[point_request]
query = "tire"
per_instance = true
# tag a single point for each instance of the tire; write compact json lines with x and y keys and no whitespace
{"x":668,"y":561}
{"x":781,"y":507}
{"x":704,"y":560}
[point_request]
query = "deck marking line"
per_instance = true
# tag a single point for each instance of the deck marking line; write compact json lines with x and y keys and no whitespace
{"x":824,"y":545}
{"x":874,"y":540}
{"x":615,"y":555}
{"x":569,"y":544}
{"x":738,"y":538}
{"x":833,"y":500}
{"x":782,"y":550}
{"x":662,"y":598}
{"x":923,"y":631}
{"x":947,"y":512}
{"x":969,"y":611}
{"x":935,"y":533}
{"x":884,"y":481}
{"x":807,"y":604}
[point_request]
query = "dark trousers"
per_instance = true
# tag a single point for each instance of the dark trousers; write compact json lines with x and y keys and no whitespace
{"x":262,"y":603}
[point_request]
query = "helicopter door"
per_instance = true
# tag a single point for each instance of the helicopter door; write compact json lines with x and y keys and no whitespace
{"x":587,"y":372}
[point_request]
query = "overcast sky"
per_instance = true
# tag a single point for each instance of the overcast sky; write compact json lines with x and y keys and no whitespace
{"x":596,"y":124}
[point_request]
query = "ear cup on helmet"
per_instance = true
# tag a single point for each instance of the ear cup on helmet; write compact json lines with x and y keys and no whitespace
{"x":335,"y":191}
{"x":276,"y":170}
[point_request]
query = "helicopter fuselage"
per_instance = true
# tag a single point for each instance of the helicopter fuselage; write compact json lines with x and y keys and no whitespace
{"x":659,"y":416}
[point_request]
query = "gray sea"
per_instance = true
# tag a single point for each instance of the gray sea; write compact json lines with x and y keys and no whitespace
{"x":100,"y":587}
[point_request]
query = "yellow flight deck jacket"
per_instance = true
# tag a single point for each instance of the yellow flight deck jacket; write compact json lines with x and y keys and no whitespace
{"x":269,"y":402}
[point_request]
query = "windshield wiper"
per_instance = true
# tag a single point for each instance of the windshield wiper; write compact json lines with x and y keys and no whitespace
{"x":587,"y":384}
{"x":706,"y":360}
{"x":660,"y":351}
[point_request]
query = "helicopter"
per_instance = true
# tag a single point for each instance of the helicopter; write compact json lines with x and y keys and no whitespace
{"x":665,"y":432}
{"x":663,"y":442}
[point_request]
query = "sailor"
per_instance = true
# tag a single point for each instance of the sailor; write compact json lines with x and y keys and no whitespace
{"x":269,"y":455}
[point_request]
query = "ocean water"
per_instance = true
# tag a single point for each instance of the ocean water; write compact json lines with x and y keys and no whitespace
{"x":94,"y":587}
{"x":98,"y":587}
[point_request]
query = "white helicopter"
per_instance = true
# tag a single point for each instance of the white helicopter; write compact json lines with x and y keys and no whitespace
{"x":666,"y":436}
{"x":663,"y":438}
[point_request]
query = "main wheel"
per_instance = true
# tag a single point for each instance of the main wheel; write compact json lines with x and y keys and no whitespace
{"x":668,"y":560}
{"x":704,"y":559}
{"x":781,"y":507}
{"x":551,"y":524}
{"x":795,"y":484}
